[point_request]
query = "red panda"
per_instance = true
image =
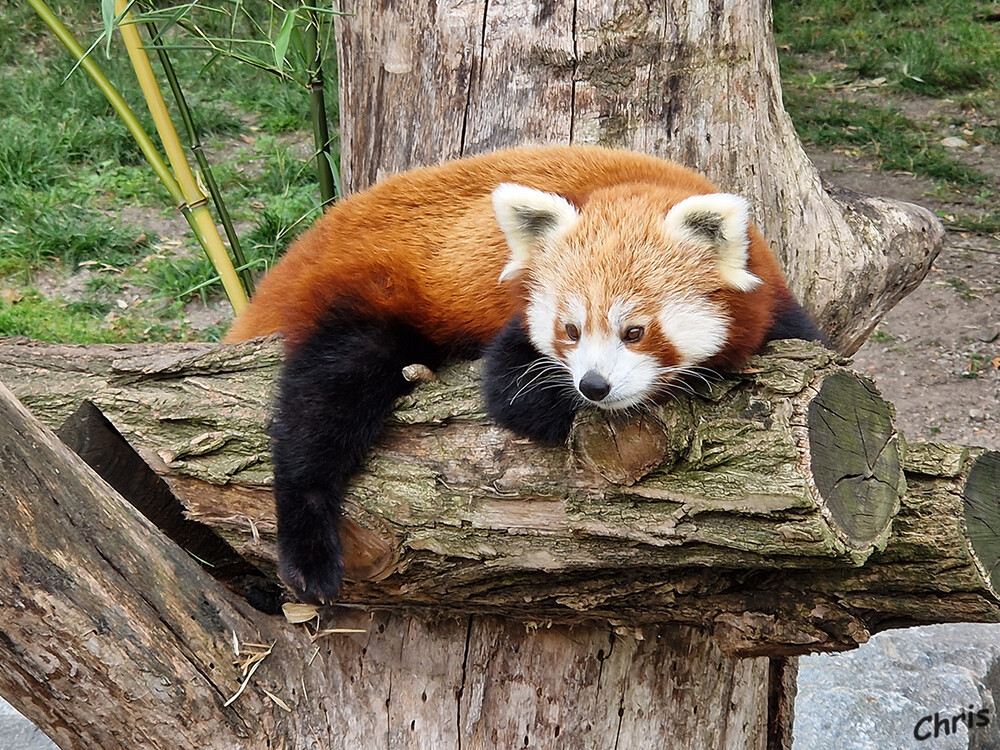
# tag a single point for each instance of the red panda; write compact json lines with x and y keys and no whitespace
{"x":585,"y":276}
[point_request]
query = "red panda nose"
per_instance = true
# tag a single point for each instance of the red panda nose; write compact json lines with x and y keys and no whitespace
{"x":594,"y":386}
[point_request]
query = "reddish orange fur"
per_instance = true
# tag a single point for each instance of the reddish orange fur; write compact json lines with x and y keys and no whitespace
{"x":424,"y":246}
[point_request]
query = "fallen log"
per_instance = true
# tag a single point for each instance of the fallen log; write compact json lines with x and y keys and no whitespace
{"x":707,"y":511}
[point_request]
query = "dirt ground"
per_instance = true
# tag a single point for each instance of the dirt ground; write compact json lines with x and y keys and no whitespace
{"x":936,"y":355}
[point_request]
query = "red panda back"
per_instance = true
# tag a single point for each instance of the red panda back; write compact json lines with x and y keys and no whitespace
{"x":424,"y":245}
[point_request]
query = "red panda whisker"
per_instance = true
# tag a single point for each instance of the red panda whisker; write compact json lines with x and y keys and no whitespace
{"x":537,"y":369}
{"x":682,"y":386}
{"x":701,"y":368}
{"x":550,"y":386}
{"x":537,"y":364}
{"x":679,"y":372}
{"x":672,"y":391}
{"x":703,"y":372}
{"x":700,"y":377}
{"x":634,"y":367}
{"x":543,"y":363}
{"x":525,"y":386}
{"x":665,"y":389}
{"x":542,"y":378}
{"x":670,"y":384}
{"x":634,"y":410}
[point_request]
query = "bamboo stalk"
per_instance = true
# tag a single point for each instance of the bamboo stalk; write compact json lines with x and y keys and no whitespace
{"x":121,"y":107}
{"x":124,"y":111}
{"x":194,"y":198}
{"x":317,"y":108}
{"x":194,"y":143}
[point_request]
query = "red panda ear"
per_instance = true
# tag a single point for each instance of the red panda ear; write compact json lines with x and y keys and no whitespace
{"x":528,"y":217}
{"x":721,"y":222}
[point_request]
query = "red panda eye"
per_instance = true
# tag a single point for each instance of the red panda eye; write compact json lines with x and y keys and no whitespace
{"x":572,"y":332}
{"x":633,"y":334}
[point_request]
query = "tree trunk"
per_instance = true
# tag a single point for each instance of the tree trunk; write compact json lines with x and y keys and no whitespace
{"x":696,"y":82}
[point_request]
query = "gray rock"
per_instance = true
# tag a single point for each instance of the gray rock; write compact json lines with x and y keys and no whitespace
{"x":17,"y":733}
{"x":954,"y":142}
{"x":892,"y":691}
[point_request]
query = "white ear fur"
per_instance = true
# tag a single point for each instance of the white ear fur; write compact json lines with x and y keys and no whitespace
{"x":719,"y":221}
{"x":528,"y":217}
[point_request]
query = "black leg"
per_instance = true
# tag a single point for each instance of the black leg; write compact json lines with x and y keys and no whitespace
{"x":336,"y":391}
{"x":524,"y":391}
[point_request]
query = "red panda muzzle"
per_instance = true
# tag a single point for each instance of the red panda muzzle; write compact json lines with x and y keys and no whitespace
{"x":594,"y":386}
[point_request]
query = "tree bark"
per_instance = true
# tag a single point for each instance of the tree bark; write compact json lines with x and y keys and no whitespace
{"x":696,"y":82}
{"x":90,"y":590}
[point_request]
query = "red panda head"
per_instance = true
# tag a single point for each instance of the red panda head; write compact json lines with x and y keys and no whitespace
{"x":633,"y":289}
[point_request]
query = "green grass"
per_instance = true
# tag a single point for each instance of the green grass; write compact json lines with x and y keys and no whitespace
{"x":989,"y":224}
{"x":68,"y":169}
{"x":46,"y":227}
{"x":935,"y":47}
{"x":882,"y":337}
{"x":39,"y":317}
{"x":842,"y":59}
{"x":889,"y":138}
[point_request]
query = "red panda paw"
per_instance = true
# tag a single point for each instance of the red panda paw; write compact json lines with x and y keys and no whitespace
{"x":313,"y":568}
{"x":523,"y":391}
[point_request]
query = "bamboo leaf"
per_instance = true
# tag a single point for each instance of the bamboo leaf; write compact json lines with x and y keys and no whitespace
{"x":335,"y":171}
{"x":108,"y":16}
{"x":299,"y":46}
{"x":284,"y":37}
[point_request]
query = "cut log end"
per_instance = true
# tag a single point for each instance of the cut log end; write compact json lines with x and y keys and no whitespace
{"x":981,"y":505}
{"x":854,"y":452}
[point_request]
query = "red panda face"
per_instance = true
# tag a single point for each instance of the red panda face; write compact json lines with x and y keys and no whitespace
{"x":623,"y":295}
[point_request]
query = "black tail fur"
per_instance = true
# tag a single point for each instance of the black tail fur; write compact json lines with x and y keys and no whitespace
{"x":335,"y":392}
